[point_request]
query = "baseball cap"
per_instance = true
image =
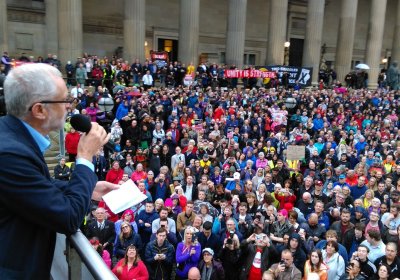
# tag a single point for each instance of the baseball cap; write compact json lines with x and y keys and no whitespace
{"x":342,"y":176}
{"x":236,"y":175}
{"x":208,"y":250}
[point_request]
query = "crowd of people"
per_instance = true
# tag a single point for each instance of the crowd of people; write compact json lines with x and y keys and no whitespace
{"x":225,"y":200}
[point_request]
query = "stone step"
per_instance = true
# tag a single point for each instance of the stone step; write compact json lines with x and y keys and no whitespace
{"x":52,"y":155}
{"x":51,"y":167}
{"x":51,"y":160}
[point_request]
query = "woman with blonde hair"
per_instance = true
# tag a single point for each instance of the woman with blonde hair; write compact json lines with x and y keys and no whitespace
{"x":178,"y":174}
{"x":372,"y":184}
{"x":260,"y":193}
{"x":131,"y":266}
{"x":367,"y":198}
{"x":188,"y":253}
{"x":126,"y":238}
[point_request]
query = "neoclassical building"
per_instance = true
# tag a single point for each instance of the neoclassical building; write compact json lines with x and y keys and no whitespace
{"x":340,"y":32}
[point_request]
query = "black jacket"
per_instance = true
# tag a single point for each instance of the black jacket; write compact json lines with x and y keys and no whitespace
{"x":33,"y":206}
{"x":212,"y":242}
{"x":107,"y":234}
{"x":159,"y":270}
{"x":62,"y":173}
{"x":217,"y":273}
{"x":120,"y":246}
{"x":269,"y":256}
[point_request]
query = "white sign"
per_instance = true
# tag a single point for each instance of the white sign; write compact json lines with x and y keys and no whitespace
{"x":126,"y":196}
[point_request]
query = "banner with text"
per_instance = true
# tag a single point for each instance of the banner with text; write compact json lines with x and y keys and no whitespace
{"x":254,"y":73}
{"x":301,"y":74}
{"x":159,"y":58}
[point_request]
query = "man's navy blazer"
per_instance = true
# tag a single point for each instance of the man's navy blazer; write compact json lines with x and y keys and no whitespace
{"x":33,"y":206}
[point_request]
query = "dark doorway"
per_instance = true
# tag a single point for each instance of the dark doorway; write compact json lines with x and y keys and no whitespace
{"x":170,"y":46}
{"x":296,"y":52}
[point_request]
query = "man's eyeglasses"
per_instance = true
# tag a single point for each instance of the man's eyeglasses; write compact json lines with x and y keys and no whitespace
{"x":66,"y":101}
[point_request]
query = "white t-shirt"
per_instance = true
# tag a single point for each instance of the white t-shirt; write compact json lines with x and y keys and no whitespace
{"x":189,"y":192}
{"x":257,"y":260}
{"x":75,"y":91}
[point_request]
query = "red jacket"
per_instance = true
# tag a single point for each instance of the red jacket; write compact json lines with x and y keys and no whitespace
{"x":138,"y":272}
{"x":97,"y":74}
{"x":177,"y":134}
{"x":285,"y":199}
{"x":71,"y":142}
{"x":114,"y":176}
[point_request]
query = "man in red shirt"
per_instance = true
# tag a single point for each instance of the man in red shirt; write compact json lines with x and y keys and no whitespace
{"x":258,"y":253}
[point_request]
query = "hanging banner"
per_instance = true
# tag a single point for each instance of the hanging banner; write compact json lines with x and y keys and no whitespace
{"x":159,"y":58}
{"x":254,"y":73}
{"x":301,"y":74}
{"x":188,"y":80}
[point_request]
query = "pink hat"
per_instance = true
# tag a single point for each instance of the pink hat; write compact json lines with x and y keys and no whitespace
{"x":168,"y":202}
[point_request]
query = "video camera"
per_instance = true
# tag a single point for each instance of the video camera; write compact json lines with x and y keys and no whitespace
{"x":229,"y":241}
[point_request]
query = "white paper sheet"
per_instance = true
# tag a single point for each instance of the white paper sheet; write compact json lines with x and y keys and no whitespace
{"x":125,"y":197}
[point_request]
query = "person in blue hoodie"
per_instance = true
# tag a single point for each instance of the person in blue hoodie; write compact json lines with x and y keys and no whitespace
{"x":122,"y":111}
{"x":144,"y":221}
{"x":360,"y":146}
{"x":295,"y":245}
{"x":318,"y":123}
{"x":359,"y":215}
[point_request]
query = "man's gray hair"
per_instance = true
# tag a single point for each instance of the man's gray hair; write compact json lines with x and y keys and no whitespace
{"x":27,"y":84}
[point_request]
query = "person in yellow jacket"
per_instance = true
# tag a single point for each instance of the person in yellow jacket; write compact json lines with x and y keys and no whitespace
{"x":191,"y":69}
{"x":388,"y":164}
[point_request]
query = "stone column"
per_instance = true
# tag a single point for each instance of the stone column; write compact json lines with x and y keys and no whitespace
{"x":3,"y":27}
{"x":395,"y":56}
{"x":189,"y":31}
{"x":313,"y":40}
{"x":277,"y":32}
{"x":52,"y":26}
{"x":70,"y":37}
{"x":236,"y":32}
{"x":134,"y":30}
{"x":374,"y":41}
{"x":344,"y":48}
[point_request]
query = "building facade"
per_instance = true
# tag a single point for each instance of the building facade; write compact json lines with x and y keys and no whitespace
{"x":335,"y":33}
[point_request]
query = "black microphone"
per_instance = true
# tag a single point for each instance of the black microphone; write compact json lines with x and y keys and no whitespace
{"x":82,"y":123}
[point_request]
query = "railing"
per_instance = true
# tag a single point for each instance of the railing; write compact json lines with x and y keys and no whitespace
{"x":79,"y":251}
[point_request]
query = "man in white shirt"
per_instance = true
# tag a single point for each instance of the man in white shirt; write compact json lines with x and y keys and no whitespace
{"x":147,"y":80}
{"x":178,"y":157}
{"x":76,"y":90}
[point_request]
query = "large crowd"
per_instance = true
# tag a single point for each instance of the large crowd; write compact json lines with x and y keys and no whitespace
{"x":224,"y":199}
